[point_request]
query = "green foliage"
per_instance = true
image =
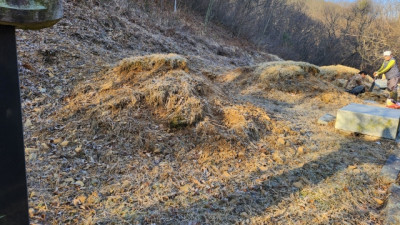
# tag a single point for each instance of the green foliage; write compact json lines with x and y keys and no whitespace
{"x":178,"y":122}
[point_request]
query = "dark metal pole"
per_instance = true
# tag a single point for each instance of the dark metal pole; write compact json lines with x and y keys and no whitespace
{"x":13,"y":190}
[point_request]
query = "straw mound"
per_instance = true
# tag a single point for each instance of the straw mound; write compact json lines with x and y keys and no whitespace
{"x":293,"y":77}
{"x":162,"y":86}
{"x":286,"y":69}
{"x":152,"y":63}
{"x":158,"y":82}
{"x":290,"y":82}
{"x":334,"y":72}
{"x":284,"y":76}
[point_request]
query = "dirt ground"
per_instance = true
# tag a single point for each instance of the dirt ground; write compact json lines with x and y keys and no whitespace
{"x":137,"y":120}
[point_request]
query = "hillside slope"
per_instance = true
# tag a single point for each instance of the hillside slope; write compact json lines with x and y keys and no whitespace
{"x":136,"y":119}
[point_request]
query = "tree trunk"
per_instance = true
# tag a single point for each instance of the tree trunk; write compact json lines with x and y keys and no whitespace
{"x":209,"y":10}
{"x":175,"y":6}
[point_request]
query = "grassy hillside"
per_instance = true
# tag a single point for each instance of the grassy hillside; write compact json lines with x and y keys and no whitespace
{"x":137,"y":119}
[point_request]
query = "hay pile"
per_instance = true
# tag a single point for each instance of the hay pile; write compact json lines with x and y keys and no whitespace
{"x":157,"y":82}
{"x":334,"y":72}
{"x":171,"y":96}
{"x":289,"y":76}
{"x":289,"y":81}
{"x":339,"y":74}
{"x":285,"y":76}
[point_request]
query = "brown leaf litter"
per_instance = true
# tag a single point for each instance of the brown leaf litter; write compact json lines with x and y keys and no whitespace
{"x":188,"y":138}
{"x":161,"y":144}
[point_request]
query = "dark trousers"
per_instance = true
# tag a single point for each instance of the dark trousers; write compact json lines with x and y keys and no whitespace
{"x":392,"y":87}
{"x":357,"y":90}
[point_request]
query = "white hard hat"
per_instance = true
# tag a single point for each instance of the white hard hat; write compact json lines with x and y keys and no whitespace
{"x":387,"y":53}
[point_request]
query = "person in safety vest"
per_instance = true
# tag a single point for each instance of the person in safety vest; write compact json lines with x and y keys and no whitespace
{"x":392,"y":73}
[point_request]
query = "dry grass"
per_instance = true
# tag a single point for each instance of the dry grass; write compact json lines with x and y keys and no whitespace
{"x":293,"y":82}
{"x":337,"y":72}
{"x":153,"y":64}
{"x":288,"y":76}
{"x":243,"y":160}
{"x":160,"y":82}
{"x":236,"y":153}
{"x":168,"y":139}
{"x":161,"y":139}
{"x":286,"y":69}
{"x":285,"y":76}
{"x":247,"y":120}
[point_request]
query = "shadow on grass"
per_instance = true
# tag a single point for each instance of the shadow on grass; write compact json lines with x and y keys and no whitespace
{"x":257,"y":200}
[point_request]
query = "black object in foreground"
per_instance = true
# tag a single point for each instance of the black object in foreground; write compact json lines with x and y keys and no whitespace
{"x":13,"y":189}
{"x":20,"y":14}
{"x":372,"y":85}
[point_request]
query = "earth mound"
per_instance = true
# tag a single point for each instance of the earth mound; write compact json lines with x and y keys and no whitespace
{"x":163,"y":86}
{"x":288,"y":76}
{"x":288,"y":81}
{"x":334,"y":72}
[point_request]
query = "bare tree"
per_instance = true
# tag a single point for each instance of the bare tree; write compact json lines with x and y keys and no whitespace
{"x":351,"y":34}
{"x":209,"y":10}
{"x":175,"y":3}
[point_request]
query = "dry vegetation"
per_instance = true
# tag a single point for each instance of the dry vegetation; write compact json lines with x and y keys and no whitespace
{"x":133,"y":137}
{"x":335,"y":72}
{"x":354,"y":33}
